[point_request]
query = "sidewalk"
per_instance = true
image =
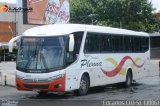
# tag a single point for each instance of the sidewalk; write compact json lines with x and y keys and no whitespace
{"x":152,"y":80}
{"x":154,"y":68}
{"x":9,"y":68}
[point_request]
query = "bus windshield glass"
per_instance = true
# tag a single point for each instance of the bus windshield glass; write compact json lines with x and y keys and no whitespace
{"x":41,"y":55}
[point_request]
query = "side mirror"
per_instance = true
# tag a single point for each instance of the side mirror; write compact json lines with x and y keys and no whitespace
{"x":11,"y":43}
{"x":71,"y":43}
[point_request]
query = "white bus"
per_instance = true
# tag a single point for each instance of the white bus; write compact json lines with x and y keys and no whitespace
{"x":73,"y":57}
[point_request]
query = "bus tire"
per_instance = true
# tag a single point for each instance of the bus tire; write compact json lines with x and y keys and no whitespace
{"x":84,"y":86}
{"x":128,"y":81}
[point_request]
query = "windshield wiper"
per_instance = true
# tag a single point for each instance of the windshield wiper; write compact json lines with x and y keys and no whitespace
{"x":44,"y":62}
{"x":32,"y":57}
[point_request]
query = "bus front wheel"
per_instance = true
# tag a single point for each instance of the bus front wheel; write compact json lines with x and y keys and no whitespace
{"x":84,"y":86}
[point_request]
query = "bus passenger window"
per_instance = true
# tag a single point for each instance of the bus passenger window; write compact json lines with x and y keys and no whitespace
{"x":105,"y":43}
{"x":91,"y":43}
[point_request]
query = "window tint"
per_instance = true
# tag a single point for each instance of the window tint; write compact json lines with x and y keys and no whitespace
{"x":136,"y":44}
{"x":78,"y":40}
{"x":105,"y":43}
{"x":128,"y":44}
{"x":115,"y":43}
{"x":72,"y":56}
{"x":92,"y":43}
{"x":144,"y":43}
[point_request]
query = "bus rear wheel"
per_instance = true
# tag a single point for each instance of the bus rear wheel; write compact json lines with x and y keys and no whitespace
{"x":128,"y":81}
{"x":84,"y":86}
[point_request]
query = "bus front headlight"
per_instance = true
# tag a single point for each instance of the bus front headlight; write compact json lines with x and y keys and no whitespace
{"x":55,"y":77}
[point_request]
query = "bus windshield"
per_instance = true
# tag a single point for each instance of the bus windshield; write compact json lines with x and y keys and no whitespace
{"x":38,"y":55}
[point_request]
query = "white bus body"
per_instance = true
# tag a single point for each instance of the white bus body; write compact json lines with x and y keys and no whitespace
{"x":103,"y":55}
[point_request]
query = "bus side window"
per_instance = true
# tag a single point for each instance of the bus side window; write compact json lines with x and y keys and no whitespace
{"x":117,"y":43}
{"x":72,"y":56}
{"x":128,"y":44}
{"x":92,"y":43}
{"x":137,"y":44}
{"x":78,"y":40}
{"x":144,"y":44}
{"x":105,"y":43}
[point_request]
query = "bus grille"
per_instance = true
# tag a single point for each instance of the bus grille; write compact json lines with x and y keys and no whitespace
{"x":38,"y":80}
{"x":36,"y":86}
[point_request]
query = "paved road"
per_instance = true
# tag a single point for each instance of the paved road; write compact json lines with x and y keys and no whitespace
{"x":145,"y":89}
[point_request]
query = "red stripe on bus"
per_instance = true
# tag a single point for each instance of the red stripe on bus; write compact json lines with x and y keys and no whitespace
{"x":119,"y":67}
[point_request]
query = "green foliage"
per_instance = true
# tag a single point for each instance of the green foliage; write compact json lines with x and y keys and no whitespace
{"x":128,"y":14}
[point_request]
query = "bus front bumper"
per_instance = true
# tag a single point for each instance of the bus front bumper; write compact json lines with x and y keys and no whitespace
{"x":53,"y":86}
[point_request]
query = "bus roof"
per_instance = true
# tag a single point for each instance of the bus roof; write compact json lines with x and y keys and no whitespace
{"x":63,"y":29}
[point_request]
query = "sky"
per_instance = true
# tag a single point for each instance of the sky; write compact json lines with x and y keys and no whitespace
{"x":8,"y":1}
{"x":156,"y":3}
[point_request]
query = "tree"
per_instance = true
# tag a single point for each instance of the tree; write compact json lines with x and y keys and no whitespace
{"x":128,"y":14}
{"x":80,"y":9}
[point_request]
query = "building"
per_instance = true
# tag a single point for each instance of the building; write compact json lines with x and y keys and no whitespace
{"x":155,"y":45}
{"x":158,"y":15}
{"x":11,"y":25}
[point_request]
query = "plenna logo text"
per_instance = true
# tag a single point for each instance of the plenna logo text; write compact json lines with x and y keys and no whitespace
{"x":6,"y":8}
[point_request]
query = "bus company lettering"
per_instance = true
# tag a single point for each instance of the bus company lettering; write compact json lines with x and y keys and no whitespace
{"x":88,"y":63}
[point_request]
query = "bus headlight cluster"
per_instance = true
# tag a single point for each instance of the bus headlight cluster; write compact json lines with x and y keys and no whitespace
{"x":56,"y":77}
{"x":19,"y":77}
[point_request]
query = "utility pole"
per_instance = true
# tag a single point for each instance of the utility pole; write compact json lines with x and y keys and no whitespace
{"x":12,"y":33}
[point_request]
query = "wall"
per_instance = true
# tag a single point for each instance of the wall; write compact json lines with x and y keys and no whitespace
{"x":15,"y":17}
{"x":7,"y":31}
